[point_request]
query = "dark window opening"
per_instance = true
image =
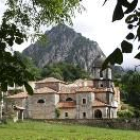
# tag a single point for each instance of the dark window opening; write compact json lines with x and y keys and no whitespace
{"x":3,"y":113}
{"x":107,"y":98}
{"x":101,"y":85}
{"x":41,"y":101}
{"x":84,"y":101}
{"x":101,"y":75}
{"x":98,"y":114}
{"x":84,"y":115}
{"x":69,"y":99}
{"x":66,"y":114}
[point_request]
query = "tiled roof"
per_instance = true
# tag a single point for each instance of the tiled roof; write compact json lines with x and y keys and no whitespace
{"x":71,"y":85}
{"x":44,"y":90}
{"x":97,"y":103}
{"x":100,"y":90}
{"x":66,"y":89}
{"x":84,"y":89}
{"x":19,"y":95}
{"x":66,"y":105}
{"x":50,"y":80}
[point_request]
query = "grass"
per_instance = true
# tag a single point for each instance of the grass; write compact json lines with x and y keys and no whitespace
{"x":43,"y":131}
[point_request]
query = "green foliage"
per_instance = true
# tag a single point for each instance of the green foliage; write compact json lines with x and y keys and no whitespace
{"x":35,"y":13}
{"x":115,"y":57}
{"x":126,"y":46}
{"x":64,"y":71}
{"x":125,"y":114}
{"x":12,"y":70}
{"x":126,"y":111}
{"x":130,"y":90}
{"x":57,"y":112}
{"x":19,"y":19}
{"x":129,"y":82}
{"x":28,"y":62}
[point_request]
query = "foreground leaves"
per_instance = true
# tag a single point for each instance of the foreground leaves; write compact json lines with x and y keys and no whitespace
{"x":12,"y":69}
{"x":113,"y":58}
{"x":19,"y":20}
{"x":133,"y":21}
{"x":126,"y":47}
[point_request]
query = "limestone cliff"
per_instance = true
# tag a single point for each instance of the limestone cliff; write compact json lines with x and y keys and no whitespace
{"x":64,"y":44}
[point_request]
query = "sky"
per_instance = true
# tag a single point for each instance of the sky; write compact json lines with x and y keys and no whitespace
{"x":96,"y":24}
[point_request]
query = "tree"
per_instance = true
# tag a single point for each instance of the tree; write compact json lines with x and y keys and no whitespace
{"x":30,"y":66}
{"x":130,"y":87}
{"x":64,"y":71}
{"x":129,"y":82}
{"x":133,"y":20}
{"x":19,"y":20}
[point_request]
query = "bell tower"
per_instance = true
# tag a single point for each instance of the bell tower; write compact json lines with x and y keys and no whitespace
{"x":101,"y":79}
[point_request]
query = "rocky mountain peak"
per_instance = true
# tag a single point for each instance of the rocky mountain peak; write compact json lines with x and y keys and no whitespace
{"x":64,"y":44}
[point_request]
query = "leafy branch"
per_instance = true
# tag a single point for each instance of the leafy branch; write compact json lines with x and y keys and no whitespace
{"x":133,"y":22}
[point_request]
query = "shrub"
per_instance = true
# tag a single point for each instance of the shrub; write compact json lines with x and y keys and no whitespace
{"x":125,"y":114}
{"x":57,"y":113}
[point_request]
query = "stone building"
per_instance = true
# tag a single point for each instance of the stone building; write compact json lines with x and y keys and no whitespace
{"x":83,"y":99}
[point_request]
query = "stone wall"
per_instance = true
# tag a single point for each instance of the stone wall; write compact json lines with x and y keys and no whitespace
{"x":52,"y":85}
{"x":71,"y":113}
{"x":102,"y":97}
{"x":129,"y":124}
{"x":44,"y":110}
{"x":84,"y":110}
{"x":105,"y":74}
{"x":63,"y":97}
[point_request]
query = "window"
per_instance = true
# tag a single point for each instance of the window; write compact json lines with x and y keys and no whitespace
{"x":66,"y":114}
{"x":69,"y":99}
{"x":101,"y":85}
{"x":84,"y":114}
{"x":108,"y":113}
{"x":41,"y":101}
{"x":84,"y":101}
{"x":101,"y":74}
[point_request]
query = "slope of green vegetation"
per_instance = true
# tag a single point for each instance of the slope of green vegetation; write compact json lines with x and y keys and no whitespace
{"x":64,"y":71}
{"x":129,"y":82}
{"x":44,"y":131}
{"x":31,"y":67}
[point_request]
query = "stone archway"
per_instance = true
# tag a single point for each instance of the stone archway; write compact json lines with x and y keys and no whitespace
{"x":98,"y":114}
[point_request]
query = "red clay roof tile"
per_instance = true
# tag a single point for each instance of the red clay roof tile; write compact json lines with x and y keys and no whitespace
{"x":44,"y":90}
{"x":19,"y":95}
{"x":102,"y":90}
{"x":84,"y":89}
{"x":97,"y":103}
{"x":66,"y":104}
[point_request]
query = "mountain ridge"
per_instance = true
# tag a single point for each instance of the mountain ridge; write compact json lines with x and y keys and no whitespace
{"x":65,"y":45}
